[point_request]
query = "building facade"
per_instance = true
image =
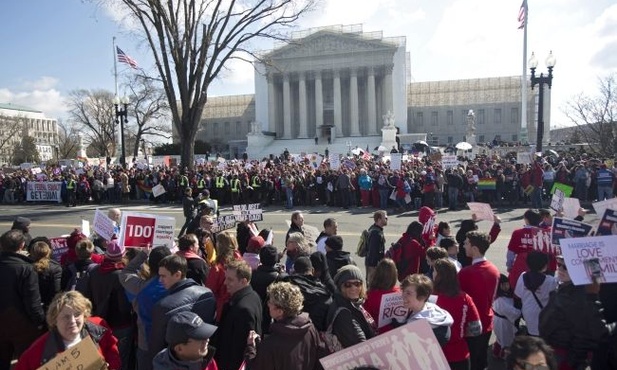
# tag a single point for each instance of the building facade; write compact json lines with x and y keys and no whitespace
{"x":335,"y":84}
{"x":17,"y":122}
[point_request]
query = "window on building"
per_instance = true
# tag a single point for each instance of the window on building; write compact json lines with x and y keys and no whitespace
{"x":434,"y":118}
{"x":450,"y":118}
{"x":480,"y":117}
{"x":450,"y":140}
{"x":419,"y":119}
{"x":497,"y":115}
{"x":215,"y":129}
{"x":227,"y":128}
{"x":514,"y":118}
{"x":514,"y":137}
{"x":481,"y":138}
{"x":464,"y":116}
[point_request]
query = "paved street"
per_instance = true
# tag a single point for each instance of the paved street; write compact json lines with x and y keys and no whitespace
{"x":55,"y":220}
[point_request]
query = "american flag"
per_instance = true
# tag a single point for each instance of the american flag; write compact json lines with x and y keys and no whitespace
{"x":366,"y":156}
{"x":124,"y":58}
{"x":522,"y":15}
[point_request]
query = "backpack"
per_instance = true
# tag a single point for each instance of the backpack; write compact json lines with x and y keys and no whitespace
{"x":362,"y":249}
{"x":330,"y":339}
{"x":397,"y":254}
{"x":79,"y":279}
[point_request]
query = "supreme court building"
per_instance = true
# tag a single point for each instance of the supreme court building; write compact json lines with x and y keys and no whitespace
{"x":334,"y":87}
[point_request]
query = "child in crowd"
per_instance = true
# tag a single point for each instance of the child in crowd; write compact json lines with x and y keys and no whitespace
{"x":505,"y":317}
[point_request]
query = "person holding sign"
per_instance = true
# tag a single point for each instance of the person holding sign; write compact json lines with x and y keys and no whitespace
{"x":69,"y":322}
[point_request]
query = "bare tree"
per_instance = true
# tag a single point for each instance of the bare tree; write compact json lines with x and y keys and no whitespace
{"x":10,"y":128}
{"x":596,"y":117}
{"x":68,"y":140}
{"x":93,"y":109}
{"x":191,"y":42}
{"x":150,"y":108}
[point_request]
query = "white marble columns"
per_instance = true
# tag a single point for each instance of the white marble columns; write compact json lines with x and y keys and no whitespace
{"x":302,"y":107}
{"x":286,"y":108}
{"x":371,"y":102}
{"x":354,"y":113}
{"x":318,"y":103}
{"x":338,"y":104}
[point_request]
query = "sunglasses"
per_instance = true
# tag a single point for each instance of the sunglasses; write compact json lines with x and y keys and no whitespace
{"x":527,"y":366}
{"x":562,"y":266}
{"x":350,"y":284}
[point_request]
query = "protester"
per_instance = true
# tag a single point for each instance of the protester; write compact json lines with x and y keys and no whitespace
{"x":529,"y":352}
{"x":48,"y":270}
{"x":330,"y":228}
{"x":522,"y":242}
{"x":375,"y":243}
{"x":296,"y":246}
{"x":321,"y":271}
{"x":297,"y":220}
{"x":71,"y":256}
{"x":384,"y":282}
{"x":227,"y":251}
{"x":75,"y":274}
{"x":335,"y":254}
{"x":23,"y":224}
{"x":505,"y":318}
{"x":197,"y":268}
{"x":251,"y":256}
{"x":69,"y":322}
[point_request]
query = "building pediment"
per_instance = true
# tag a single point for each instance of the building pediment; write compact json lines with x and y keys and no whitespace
{"x":327,"y":43}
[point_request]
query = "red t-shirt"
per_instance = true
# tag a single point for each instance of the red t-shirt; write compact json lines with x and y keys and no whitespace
{"x":373,"y":302}
{"x":480,"y":281}
{"x":464,"y":312}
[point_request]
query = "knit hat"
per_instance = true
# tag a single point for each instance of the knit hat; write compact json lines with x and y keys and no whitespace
{"x":334,"y":242}
{"x":187,"y":325}
{"x":21,"y":223}
{"x":347,"y":273}
{"x":302,"y":265}
{"x":268,"y":255}
{"x":75,"y":237}
{"x":255,"y":243}
{"x":114,"y":250}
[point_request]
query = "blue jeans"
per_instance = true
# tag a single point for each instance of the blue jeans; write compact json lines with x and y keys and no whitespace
{"x":605,"y":192}
{"x":290,"y":197}
{"x":536,"y":198}
{"x":384,"y":195}
{"x":453,"y":197}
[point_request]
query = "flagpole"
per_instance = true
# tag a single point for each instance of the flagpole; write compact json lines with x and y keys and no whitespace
{"x":115,"y":53}
{"x":524,"y":130}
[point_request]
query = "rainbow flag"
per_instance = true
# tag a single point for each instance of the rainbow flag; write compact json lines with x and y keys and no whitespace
{"x":487,"y":184}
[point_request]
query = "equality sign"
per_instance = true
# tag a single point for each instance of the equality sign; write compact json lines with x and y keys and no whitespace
{"x":591,"y":258}
{"x":84,"y":355}
{"x":565,"y":228}
{"x":103,"y":225}
{"x":46,"y":191}
{"x":248,"y":212}
{"x":411,"y":346}
{"x":608,"y":224}
{"x":391,"y":307}
{"x":140,"y":229}
{"x":58,"y":247}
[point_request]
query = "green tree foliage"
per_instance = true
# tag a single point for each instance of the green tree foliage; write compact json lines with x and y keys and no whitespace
{"x":26,"y":151}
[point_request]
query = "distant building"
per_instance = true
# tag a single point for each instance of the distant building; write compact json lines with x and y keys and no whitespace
{"x":30,"y":122}
{"x":331,"y":87}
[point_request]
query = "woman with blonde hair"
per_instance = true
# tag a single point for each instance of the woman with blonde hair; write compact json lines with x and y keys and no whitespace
{"x":226,"y":252}
{"x":69,"y":322}
{"x":293,"y":343}
{"x":383,"y":283}
{"x":296,"y":246}
{"x":48,"y":270}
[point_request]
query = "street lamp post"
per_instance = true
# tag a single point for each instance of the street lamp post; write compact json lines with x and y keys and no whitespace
{"x":122,"y":118}
{"x":540,"y":81}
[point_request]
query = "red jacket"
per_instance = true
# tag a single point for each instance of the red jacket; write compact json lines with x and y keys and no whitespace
{"x":480,"y":281}
{"x":465,"y":314}
{"x":412,"y":251}
{"x":107,"y":344}
{"x":216,"y":283}
{"x":524,"y":241}
{"x":372,"y":305}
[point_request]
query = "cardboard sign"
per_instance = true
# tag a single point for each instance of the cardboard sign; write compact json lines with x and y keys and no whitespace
{"x":411,"y":346}
{"x":140,"y":229}
{"x":103,"y":225}
{"x":608,"y":224}
{"x":224,"y":223}
{"x":47,"y":191}
{"x":603,"y":205}
{"x":391,"y":307}
{"x":250,"y":212}
{"x":158,"y":190}
{"x":82,"y":356}
{"x":483,"y":211}
{"x":395,"y":161}
{"x":591,"y":258}
{"x":564,"y":228}
{"x":58,"y":247}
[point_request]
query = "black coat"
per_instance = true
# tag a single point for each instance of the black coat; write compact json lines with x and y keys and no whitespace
{"x":260,"y":280}
{"x":317,"y":298}
{"x":19,"y":290}
{"x":338,"y":259}
{"x":240,"y":315}
{"x":350,"y":326}
{"x":107,"y":295}
{"x":50,"y":282}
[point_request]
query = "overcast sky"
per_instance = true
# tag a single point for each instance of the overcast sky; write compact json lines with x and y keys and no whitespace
{"x":52,"y":47}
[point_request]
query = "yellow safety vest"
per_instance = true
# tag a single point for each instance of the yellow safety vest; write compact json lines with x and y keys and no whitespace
{"x":255,"y":183}
{"x":220,"y":182}
{"x":70,"y":185}
{"x":184,"y":181}
{"x":201,"y":184}
{"x":235,"y":185}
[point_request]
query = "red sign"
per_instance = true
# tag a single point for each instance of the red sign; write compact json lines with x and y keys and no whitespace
{"x":138,"y":231}
{"x":58,"y":247}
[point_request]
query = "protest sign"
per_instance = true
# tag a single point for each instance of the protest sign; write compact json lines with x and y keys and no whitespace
{"x":603,"y":205}
{"x":391,"y":307}
{"x":82,"y":356}
{"x":103,"y":225}
{"x":608,"y":224}
{"x":411,"y":346}
{"x":85,"y":227}
{"x":46,"y":191}
{"x":140,"y":229}
{"x":335,"y":161}
{"x":250,"y":212}
{"x":449,"y":161}
{"x":557,"y":200}
{"x":395,"y":161}
{"x":58,"y":247}
{"x":158,"y":190}
{"x":483,"y":211}
{"x":591,"y":258}
{"x":571,"y":206}
{"x":566,"y":189}
{"x":541,"y":241}
{"x":523,"y":158}
{"x":224,"y":223}
{"x":565,"y":228}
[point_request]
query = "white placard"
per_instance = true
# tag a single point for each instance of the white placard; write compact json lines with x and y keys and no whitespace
{"x":603,"y":205}
{"x":44,"y":191}
{"x":391,"y":307}
{"x":395,"y":161}
{"x":158,"y":190}
{"x":449,"y":161}
{"x":557,"y":200}
{"x":85,"y":227}
{"x":571,"y":207}
{"x":335,"y":162}
{"x":483,"y":211}
{"x":591,"y":256}
{"x":141,"y":229}
{"x":523,"y":158}
{"x":103,"y":225}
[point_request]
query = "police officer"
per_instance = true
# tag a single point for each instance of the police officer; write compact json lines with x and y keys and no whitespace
{"x":71,"y":189}
{"x":236,"y":189}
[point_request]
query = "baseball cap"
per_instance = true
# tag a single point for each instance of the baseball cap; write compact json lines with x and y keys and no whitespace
{"x":187,"y":325}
